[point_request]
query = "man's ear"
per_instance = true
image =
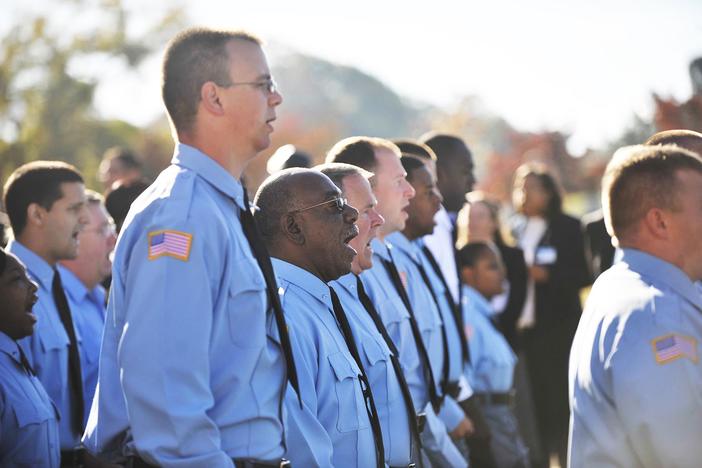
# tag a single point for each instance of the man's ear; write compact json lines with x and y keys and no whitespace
{"x":657,"y":223}
{"x":36,"y":215}
{"x":292,"y":229}
{"x":211,"y":99}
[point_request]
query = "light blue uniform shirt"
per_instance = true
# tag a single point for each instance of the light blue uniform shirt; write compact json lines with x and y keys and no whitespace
{"x":47,"y":348}
{"x":635,"y":373}
{"x":395,"y":317}
{"x":435,"y":436}
{"x":375,"y":356}
{"x":28,"y":419}
{"x":453,"y":335}
{"x":332,"y":427}
{"x":88,"y":311}
{"x":188,"y":376}
{"x":429,"y":319}
{"x":491,"y":369}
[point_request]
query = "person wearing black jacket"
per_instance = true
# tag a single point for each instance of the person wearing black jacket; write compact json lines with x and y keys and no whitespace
{"x":554,"y":252}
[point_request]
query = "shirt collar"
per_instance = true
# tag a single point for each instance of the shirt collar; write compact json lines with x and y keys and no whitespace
{"x":207,"y":168}
{"x":419,"y":243}
{"x":662,"y":272}
{"x":402,"y":243}
{"x":443,"y":219}
{"x":74,"y":286}
{"x":9,"y":347}
{"x":303,"y":279}
{"x":380,"y":248}
{"x":478,"y":302}
{"x":348,"y":282}
{"x":37,"y":266}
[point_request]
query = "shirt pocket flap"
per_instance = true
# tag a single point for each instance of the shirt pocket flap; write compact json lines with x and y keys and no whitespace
{"x":246,"y":277}
{"x":26,"y":414}
{"x":342,"y":367}
{"x":375,"y":352}
{"x":52,"y":338}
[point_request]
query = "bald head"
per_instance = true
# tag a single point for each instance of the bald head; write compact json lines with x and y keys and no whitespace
{"x":305,"y":222}
{"x":286,"y":191}
{"x":686,"y":139}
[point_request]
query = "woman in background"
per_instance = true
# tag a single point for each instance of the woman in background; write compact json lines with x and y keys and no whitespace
{"x":554,"y":252}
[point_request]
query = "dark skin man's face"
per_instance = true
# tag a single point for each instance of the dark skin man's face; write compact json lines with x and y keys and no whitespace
{"x":456,"y":178}
{"x":327,"y":229}
{"x":18,"y":295}
{"x":424,"y":205}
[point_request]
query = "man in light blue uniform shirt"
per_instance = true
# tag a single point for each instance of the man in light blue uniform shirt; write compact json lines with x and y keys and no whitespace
{"x":307,"y":226}
{"x":393,"y":193}
{"x":395,"y":407}
{"x":188,"y":373}
{"x":81,"y":279}
{"x":45,"y":201}
{"x":28,"y":418}
{"x":635,"y":373}
{"x":427,"y":293}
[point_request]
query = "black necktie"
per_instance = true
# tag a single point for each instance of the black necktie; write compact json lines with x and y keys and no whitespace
{"x":25,"y":362}
{"x":444,"y":338}
{"x":455,"y":308}
{"x":250,"y":229}
{"x":75,"y":380}
{"x":343,"y":321}
{"x":434,"y":397}
{"x":394,"y":359}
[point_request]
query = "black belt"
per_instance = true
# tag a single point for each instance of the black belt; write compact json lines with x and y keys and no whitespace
{"x":73,"y":458}
{"x":453,"y":389}
{"x":246,"y":463}
{"x":495,"y":398}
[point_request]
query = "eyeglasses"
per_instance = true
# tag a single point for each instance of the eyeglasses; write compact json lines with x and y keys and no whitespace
{"x":340,"y":204}
{"x":106,"y":230}
{"x":268,"y":84}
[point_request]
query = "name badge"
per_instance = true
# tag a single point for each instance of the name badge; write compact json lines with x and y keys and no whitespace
{"x":546,"y":255}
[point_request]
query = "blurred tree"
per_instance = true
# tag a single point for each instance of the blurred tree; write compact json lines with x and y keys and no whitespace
{"x":670,"y":114}
{"x":46,"y":112}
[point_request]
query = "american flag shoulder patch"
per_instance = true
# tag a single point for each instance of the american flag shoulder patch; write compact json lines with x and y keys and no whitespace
{"x":674,"y":346}
{"x":169,"y":243}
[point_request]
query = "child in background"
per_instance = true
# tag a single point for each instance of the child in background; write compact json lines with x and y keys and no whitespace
{"x":492,"y":364}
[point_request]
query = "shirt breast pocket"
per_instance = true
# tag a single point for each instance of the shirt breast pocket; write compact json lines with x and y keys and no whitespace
{"x":350,"y":399}
{"x":247,"y":305}
{"x":29,"y":418}
{"x":52,"y":339}
{"x":53,"y":364}
{"x":379,"y":369}
{"x":392,"y":312}
{"x":27,"y":413}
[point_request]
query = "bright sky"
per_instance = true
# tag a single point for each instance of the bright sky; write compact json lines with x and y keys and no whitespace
{"x":583,"y":67}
